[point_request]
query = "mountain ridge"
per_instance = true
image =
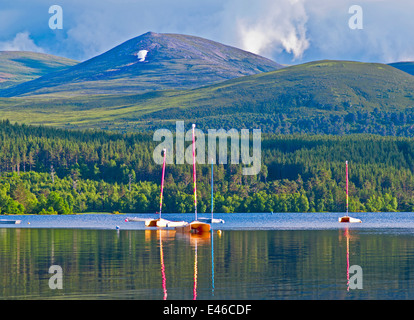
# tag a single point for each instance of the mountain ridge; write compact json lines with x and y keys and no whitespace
{"x":21,"y":66}
{"x":153,"y":80}
{"x":167,"y":61}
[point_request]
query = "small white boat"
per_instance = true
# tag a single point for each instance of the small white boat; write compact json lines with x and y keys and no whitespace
{"x":160,"y":222}
{"x":211,"y":220}
{"x":133,"y":219}
{"x":173,"y":224}
{"x":346,"y":218}
{"x":349,"y":219}
{"x":155,"y":222}
{"x":7,"y":221}
{"x":163,"y":223}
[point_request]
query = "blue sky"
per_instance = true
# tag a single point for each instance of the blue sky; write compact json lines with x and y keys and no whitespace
{"x":287,"y":31}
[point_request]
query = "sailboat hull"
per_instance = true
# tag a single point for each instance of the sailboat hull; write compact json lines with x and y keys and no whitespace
{"x":172,"y":224}
{"x":151,"y":223}
{"x":211,"y":220}
{"x":349,"y":220}
{"x":194,"y":227}
{"x":4,"y":221}
{"x":200,"y":227}
{"x":163,"y":223}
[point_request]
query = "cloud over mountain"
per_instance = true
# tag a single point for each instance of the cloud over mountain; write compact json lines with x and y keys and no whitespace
{"x":288,"y":31}
{"x":21,"y":42}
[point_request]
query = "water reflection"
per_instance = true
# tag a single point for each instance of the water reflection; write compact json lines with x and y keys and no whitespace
{"x":194,"y":239}
{"x":164,"y":279}
{"x":348,"y":237}
{"x":190,"y":238}
{"x":195,"y":272}
{"x":212,"y":265}
{"x":161,"y":234}
{"x":347,"y":257}
{"x":160,"y":264}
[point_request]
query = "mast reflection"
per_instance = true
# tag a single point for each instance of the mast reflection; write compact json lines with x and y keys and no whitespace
{"x":166,"y":235}
{"x":195,"y":240}
{"x":195,"y":272}
{"x":347,"y":257}
{"x":164,"y":279}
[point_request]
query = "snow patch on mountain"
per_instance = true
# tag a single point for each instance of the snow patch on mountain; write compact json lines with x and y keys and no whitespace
{"x":142,"y":55}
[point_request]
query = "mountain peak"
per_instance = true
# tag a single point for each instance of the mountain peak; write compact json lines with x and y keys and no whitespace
{"x":151,"y":61}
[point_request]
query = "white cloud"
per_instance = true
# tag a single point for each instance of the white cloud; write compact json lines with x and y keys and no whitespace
{"x":269,"y":26}
{"x":288,"y":31}
{"x":386,"y":35}
{"x":21,"y":42}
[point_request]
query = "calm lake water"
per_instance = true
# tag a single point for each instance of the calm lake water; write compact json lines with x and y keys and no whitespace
{"x":250,"y":256}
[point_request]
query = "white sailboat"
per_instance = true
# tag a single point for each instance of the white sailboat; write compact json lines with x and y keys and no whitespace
{"x":212,"y":220}
{"x":195,"y":226}
{"x":7,"y":221}
{"x":160,"y":222}
{"x":347,"y":218}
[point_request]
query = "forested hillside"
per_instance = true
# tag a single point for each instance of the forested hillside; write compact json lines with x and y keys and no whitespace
{"x":49,"y":171}
{"x":320,"y":97}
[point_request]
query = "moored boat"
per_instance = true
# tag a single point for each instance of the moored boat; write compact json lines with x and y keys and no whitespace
{"x":7,"y":221}
{"x":212,"y":220}
{"x":195,"y":226}
{"x":347,"y":218}
{"x":160,"y":222}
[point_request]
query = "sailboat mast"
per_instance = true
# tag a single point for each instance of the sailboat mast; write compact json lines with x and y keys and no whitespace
{"x":194,"y":175}
{"x":162,"y":180}
{"x":346,"y":163}
{"x":212,"y":203}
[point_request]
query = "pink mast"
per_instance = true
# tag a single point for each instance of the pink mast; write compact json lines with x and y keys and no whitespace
{"x":194,"y":175}
{"x":162,"y":180}
{"x":346,"y":162}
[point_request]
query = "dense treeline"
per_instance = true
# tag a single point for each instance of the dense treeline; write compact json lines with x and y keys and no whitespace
{"x":302,"y":121}
{"x":54,"y":171}
{"x":385,"y":123}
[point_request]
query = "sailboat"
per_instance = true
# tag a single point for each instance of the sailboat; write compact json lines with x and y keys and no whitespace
{"x":195,"y":226}
{"x":347,"y":218}
{"x":212,"y":220}
{"x":7,"y":221}
{"x":160,"y":222}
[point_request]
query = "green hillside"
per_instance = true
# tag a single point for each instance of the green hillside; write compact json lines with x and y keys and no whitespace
{"x":335,"y":97}
{"x":20,"y":66}
{"x":150,"y":62}
{"x":308,"y":92}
